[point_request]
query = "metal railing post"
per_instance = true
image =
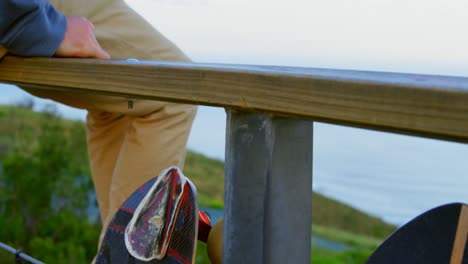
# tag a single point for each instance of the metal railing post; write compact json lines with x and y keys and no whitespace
{"x":268,"y":189}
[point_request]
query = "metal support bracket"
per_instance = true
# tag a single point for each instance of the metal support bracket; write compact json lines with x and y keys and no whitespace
{"x":268,"y":189}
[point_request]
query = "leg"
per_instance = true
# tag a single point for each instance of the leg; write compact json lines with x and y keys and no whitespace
{"x":157,"y":132}
{"x":151,"y":144}
{"x":130,"y":146}
{"x":106,"y":133}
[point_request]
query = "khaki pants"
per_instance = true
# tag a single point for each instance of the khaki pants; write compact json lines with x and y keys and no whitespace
{"x":126,"y":146}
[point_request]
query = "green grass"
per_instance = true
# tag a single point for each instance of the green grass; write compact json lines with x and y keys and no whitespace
{"x":202,"y":255}
{"x":14,"y":119}
{"x":352,"y":239}
{"x":331,"y":213}
{"x":321,"y":256}
{"x":208,"y":176}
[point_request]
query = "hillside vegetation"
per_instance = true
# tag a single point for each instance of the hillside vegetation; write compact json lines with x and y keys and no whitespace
{"x":21,"y":132}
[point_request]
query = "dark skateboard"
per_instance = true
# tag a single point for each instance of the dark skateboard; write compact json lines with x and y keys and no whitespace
{"x":437,"y":236}
{"x":158,"y":224}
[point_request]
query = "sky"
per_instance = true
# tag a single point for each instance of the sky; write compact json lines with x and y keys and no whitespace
{"x":381,"y":35}
{"x":388,"y":175}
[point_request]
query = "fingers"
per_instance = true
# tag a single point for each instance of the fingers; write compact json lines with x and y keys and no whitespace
{"x":96,"y":51}
{"x":101,"y":54}
{"x":80,"y":41}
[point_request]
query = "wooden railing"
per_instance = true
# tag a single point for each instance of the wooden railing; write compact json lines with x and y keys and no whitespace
{"x":269,"y":136}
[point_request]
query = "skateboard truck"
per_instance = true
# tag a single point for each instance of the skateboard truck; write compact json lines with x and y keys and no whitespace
{"x":204,"y":226}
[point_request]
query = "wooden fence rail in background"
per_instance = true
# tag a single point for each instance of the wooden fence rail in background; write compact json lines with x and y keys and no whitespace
{"x":268,"y":145}
{"x":433,"y":106}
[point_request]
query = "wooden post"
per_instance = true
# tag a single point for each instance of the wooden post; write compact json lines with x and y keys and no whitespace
{"x":268,"y":189}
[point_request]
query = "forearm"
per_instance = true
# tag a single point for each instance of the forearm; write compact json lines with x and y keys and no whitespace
{"x":31,"y":27}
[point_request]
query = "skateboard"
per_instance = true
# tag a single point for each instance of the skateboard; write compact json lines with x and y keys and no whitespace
{"x":436,"y":236}
{"x":157,"y":224}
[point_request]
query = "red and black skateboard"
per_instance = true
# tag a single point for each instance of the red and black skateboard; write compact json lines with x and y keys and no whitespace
{"x":157,"y":224}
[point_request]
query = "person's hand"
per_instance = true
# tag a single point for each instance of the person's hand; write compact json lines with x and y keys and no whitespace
{"x":80,"y":41}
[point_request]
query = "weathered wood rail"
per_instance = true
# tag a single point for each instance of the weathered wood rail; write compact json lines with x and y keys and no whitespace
{"x":269,"y":136}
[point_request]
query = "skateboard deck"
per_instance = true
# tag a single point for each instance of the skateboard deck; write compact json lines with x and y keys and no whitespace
{"x":436,"y":236}
{"x":157,"y":224}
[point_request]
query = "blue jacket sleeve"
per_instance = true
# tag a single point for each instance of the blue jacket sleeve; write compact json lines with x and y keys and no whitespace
{"x":31,"y":27}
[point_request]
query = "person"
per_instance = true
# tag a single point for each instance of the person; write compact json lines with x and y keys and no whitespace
{"x":126,"y":145}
